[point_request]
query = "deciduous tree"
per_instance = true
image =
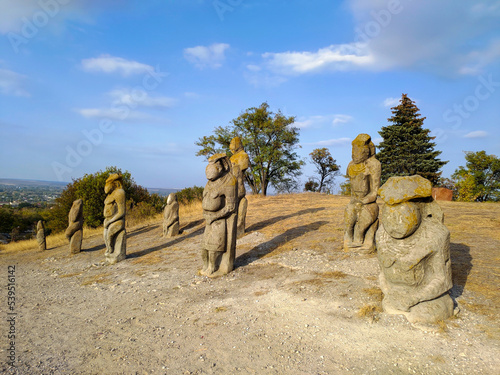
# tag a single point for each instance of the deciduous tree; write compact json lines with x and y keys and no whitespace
{"x":326,"y":167}
{"x":269,"y":139}
{"x":479,"y":180}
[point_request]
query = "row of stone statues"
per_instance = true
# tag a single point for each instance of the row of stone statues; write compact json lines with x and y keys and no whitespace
{"x":412,"y":243}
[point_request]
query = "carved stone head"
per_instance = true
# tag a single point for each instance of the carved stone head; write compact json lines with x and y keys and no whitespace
{"x":362,"y":148}
{"x":114,"y":181}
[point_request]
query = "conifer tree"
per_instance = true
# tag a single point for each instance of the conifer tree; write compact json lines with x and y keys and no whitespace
{"x":407,"y":148}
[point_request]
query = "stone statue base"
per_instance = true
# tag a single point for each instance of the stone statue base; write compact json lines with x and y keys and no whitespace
{"x":426,"y":312}
{"x":368,"y":246}
{"x":218,"y":263}
{"x":75,"y":243}
{"x":119,"y":246}
{"x":242,"y":213}
{"x":171,"y":231}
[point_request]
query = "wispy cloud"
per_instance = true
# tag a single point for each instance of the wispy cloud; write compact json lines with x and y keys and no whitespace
{"x":112,"y":64}
{"x":333,"y":58}
{"x":140,"y":98}
{"x":391,"y":102}
{"x":122,"y":114}
{"x":340,"y":142}
{"x":206,"y":56}
{"x":12,"y":83}
{"x":341,"y":119}
{"x":476,"y":134}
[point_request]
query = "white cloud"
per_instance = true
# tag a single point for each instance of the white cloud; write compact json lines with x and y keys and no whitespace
{"x":340,"y":142}
{"x":333,"y":58}
{"x":122,"y":113}
{"x":476,"y":134}
{"x":391,"y":102}
{"x":12,"y":83}
{"x":112,"y":64}
{"x":140,"y":98}
{"x":15,"y":14}
{"x":212,"y":56}
{"x":341,"y":119}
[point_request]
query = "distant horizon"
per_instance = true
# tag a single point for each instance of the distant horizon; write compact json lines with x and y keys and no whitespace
{"x":136,"y":84}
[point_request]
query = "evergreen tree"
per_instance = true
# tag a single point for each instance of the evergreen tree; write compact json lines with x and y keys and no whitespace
{"x":407,"y":148}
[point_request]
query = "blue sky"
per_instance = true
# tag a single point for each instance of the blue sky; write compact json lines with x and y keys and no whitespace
{"x":133,"y":84}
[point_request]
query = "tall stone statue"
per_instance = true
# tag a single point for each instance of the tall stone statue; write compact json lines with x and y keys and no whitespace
{"x":171,"y":216}
{"x":40,"y":236}
{"x":74,"y":232}
{"x":115,"y":236}
{"x":361,"y":214}
{"x":240,"y":163}
{"x":413,"y":249}
{"x":220,"y":204}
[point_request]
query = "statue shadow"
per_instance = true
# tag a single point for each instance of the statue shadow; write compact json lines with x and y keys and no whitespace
{"x":461,"y":265}
{"x":173,"y":242}
{"x":267,"y":247}
{"x":192,"y":225}
{"x":272,"y":220}
{"x":95,"y":248}
{"x":142,"y":231}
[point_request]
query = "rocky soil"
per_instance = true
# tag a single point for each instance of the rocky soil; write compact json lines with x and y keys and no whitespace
{"x":295,"y":304}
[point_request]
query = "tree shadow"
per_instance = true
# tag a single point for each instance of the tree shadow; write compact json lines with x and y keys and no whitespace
{"x":461,"y":265}
{"x":175,"y":241}
{"x":272,"y":220}
{"x":267,"y":247}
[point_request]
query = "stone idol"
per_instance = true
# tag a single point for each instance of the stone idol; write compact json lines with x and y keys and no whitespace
{"x":240,"y":163}
{"x":74,"y":232}
{"x":361,"y":214}
{"x":115,"y":236}
{"x":220,"y":203}
{"x":413,"y":250}
{"x":171,"y":216}
{"x":40,"y":235}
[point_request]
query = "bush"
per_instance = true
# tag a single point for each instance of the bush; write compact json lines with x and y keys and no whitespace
{"x":190,"y":194}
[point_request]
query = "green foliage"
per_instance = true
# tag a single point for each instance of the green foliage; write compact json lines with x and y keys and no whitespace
{"x":479,"y":180}
{"x":407,"y":148}
{"x":21,"y":219}
{"x":326,"y":167}
{"x":190,"y":194}
{"x":311,"y":185}
{"x":345,"y":187}
{"x":269,"y":140}
{"x":90,"y":188}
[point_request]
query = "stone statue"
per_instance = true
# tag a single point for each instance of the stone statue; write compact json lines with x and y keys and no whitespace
{"x":413,"y":249}
{"x":171,"y":216}
{"x":240,"y":163}
{"x":361,"y":214}
{"x":74,"y":232}
{"x":115,"y":235}
{"x":220,"y":204}
{"x":40,"y":235}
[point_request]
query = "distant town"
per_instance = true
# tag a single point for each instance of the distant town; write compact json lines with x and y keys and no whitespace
{"x":15,"y":193}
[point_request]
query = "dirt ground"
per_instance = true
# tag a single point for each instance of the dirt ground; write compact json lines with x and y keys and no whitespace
{"x":295,"y":304}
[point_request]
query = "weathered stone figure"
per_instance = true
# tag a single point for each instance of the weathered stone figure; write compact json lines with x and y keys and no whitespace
{"x":413,"y":249}
{"x":74,"y":232}
{"x":171,"y":216}
{"x":115,"y":235}
{"x":361,"y":214}
{"x":240,"y":163}
{"x":220,"y":203}
{"x":40,"y":235}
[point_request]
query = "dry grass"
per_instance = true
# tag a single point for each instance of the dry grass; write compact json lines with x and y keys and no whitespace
{"x":370,"y":311}
{"x":375,"y":293}
{"x":97,"y":279}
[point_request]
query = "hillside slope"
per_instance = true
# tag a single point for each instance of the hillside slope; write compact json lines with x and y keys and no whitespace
{"x":295,"y":304}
